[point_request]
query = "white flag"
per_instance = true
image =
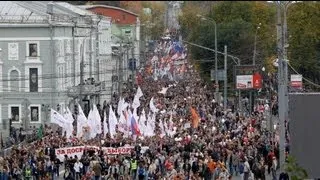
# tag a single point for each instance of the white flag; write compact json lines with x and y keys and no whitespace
{"x":124,"y":106}
{"x":150,"y":125}
{"x":139,"y":92}
{"x":136,"y":99}
{"x":136,"y":102}
{"x":69,"y":118}
{"x":162,"y":128}
{"x":128,"y":121}
{"x":152,"y":106}
{"x":57,"y":118}
{"x":68,"y":115}
{"x":91,"y":123}
{"x":122,"y":123}
{"x":163,"y":90}
{"x":120,"y":105}
{"x":97,"y":119}
{"x":81,"y":122}
{"x":112,"y":123}
{"x":142,"y":122}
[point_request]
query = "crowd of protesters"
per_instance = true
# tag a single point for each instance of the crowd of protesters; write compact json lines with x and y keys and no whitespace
{"x":224,"y":144}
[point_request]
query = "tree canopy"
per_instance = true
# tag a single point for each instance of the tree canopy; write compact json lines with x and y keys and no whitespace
{"x":237,"y":26}
{"x":152,"y":24}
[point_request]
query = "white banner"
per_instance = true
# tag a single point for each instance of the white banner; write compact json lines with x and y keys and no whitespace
{"x":244,"y":81}
{"x":78,"y":151}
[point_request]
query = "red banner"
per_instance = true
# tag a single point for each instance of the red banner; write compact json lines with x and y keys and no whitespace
{"x":257,"y":81}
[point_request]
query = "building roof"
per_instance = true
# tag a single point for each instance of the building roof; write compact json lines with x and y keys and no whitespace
{"x":74,"y":9}
{"x":105,"y":6}
{"x":14,"y":11}
{"x":36,"y":11}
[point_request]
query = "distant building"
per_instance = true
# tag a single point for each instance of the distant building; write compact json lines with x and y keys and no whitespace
{"x":40,"y":58}
{"x":172,"y":15}
{"x":125,"y":29}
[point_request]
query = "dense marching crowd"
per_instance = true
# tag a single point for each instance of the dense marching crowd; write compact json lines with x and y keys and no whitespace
{"x":224,"y":144}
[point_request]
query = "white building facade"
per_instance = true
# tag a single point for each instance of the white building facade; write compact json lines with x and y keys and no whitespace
{"x":41,"y":52}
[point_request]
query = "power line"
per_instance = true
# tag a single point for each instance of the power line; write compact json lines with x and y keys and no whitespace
{"x":307,"y":80}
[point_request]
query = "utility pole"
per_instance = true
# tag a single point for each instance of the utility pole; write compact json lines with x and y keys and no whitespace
{"x":127,"y":63}
{"x":97,"y":59}
{"x":134,"y":63}
{"x":225,"y":78}
{"x":254,"y":63}
{"x":282,"y":77}
{"x":216,"y":58}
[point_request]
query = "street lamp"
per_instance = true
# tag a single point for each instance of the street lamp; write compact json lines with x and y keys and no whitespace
{"x":269,"y":91}
{"x":215,"y":47}
{"x":255,"y":45}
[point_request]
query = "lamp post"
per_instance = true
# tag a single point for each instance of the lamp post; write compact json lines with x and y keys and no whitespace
{"x":215,"y":49}
{"x":269,"y":98}
{"x":254,"y":63}
{"x":255,"y":45}
{"x":282,"y":7}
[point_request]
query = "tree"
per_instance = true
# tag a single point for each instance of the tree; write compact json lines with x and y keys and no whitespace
{"x":132,"y":6}
{"x":295,"y":171}
{"x":151,"y":24}
{"x":237,"y":23}
{"x":304,"y":39}
{"x":188,"y":19}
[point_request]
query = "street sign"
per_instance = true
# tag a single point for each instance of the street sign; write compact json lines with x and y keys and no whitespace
{"x":221,"y":75}
{"x":296,"y":81}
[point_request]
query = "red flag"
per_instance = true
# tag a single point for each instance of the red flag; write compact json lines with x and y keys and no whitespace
{"x":257,"y":81}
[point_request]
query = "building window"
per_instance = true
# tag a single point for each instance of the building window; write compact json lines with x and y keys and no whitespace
{"x":34,"y":113}
{"x":14,"y":81}
{"x":13,"y":51}
{"x":15,"y":113}
{"x":33,"y":79}
{"x":33,"y":49}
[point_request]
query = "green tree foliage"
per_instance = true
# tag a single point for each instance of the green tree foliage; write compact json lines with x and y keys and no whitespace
{"x":304,"y":38}
{"x":294,"y":170}
{"x":188,"y":19}
{"x":151,"y":24}
{"x":237,"y":24}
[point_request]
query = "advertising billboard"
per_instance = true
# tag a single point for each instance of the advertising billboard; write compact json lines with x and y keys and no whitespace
{"x":244,"y":81}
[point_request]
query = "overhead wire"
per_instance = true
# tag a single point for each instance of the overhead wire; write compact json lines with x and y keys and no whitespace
{"x":307,"y":80}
